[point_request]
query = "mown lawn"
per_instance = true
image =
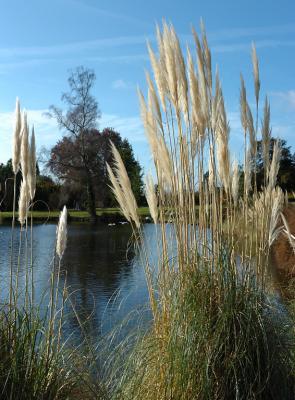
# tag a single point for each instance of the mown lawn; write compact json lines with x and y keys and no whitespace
{"x":143,"y":211}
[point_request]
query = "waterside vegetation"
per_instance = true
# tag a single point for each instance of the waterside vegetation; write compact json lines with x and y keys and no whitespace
{"x":218,"y":328}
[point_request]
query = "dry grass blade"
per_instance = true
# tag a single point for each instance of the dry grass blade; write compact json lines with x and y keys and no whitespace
{"x":121,"y":187}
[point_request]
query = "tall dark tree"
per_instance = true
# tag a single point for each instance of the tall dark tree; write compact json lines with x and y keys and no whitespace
{"x":287,"y":165}
{"x":66,"y":163}
{"x":77,"y":122}
{"x":6,"y":186}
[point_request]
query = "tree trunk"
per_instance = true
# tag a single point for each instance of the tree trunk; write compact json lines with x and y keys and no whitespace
{"x":91,"y":200}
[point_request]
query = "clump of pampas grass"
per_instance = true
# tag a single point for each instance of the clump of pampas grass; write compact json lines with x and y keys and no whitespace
{"x":212,"y":317}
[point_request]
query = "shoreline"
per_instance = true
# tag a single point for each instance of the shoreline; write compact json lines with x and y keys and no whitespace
{"x":104,"y":216}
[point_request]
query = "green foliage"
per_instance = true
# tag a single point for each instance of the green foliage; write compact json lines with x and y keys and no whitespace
{"x":6,"y":189}
{"x":226,"y":340}
{"x":287,"y":166}
{"x":134,"y":171}
{"x":66,"y":164}
{"x":47,"y":191}
{"x":30,"y":368}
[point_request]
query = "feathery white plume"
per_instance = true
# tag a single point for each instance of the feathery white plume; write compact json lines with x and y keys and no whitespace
{"x":151,"y":197}
{"x":276,"y":202}
{"x":121,"y":187}
{"x":61,"y":233}
{"x":23,"y":202}
{"x":255,"y":73}
{"x":275,"y":165}
{"x":243,"y":105}
{"x":25,"y":151}
{"x":16,"y":138}
{"x":32,"y":166}
{"x":266,"y":134}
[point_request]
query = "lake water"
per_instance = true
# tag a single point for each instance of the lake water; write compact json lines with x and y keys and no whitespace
{"x":103,"y":273}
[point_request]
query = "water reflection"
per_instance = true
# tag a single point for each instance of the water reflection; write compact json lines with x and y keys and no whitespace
{"x":105,"y":279}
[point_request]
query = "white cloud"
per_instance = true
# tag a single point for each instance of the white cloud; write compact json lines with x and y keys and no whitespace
{"x":119,"y":84}
{"x":108,"y":14}
{"x":251,"y":32}
{"x":62,"y":49}
{"x":71,"y":47}
{"x":287,"y":98}
{"x":129,"y":127}
{"x":235,"y":47}
{"x":47,"y":131}
{"x":284,"y":131}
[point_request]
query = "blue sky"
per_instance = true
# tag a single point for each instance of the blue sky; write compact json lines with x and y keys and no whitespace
{"x":41,"y":41}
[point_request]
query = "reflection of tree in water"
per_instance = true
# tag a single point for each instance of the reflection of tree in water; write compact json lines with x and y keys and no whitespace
{"x":95,"y":262}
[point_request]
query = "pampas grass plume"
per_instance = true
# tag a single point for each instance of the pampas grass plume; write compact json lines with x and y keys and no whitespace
{"x":255,"y":73}
{"x":121,"y":186}
{"x":61,"y":236}
{"x":276,"y":203}
{"x":151,"y":197}
{"x":235,"y":182}
{"x":23,"y":202}
{"x":266,"y":134}
{"x":275,"y":165}
{"x":25,"y":151}
{"x":16,"y":138}
{"x":243,"y":105}
{"x":32,"y":166}
{"x":251,"y":131}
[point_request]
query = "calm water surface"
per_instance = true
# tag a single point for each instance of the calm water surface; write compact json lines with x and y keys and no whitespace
{"x":104,"y":274}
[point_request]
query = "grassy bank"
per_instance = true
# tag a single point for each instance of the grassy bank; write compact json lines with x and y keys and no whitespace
{"x":104,"y":215}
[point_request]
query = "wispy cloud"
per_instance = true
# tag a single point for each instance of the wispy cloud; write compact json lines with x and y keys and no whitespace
{"x":284,"y":131}
{"x":72,"y":47}
{"x":286,"y":98}
{"x":121,"y":84}
{"x":235,"y":47}
{"x":243,"y":32}
{"x":110,"y":14}
{"x":129,"y":127}
{"x":47,"y":132}
{"x":86,"y":48}
{"x":120,"y":59}
{"x":251,"y":32}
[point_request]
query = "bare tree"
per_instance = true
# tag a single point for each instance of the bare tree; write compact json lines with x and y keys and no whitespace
{"x":77,"y":121}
